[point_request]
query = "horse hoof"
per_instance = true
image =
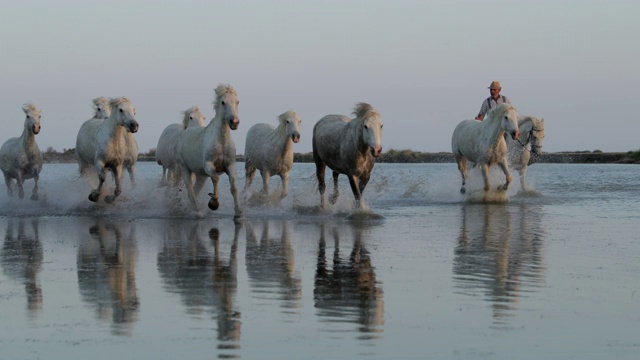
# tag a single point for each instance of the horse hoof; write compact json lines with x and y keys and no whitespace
{"x":109,"y":199}
{"x":463,"y":190}
{"x":333,"y":199}
{"x":94,"y":196}
{"x":213,"y":204}
{"x":34,"y":197}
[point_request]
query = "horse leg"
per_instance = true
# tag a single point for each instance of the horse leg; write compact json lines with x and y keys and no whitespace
{"x":320,"y":168}
{"x":20,"y":183}
{"x":188,"y":183}
{"x":95,"y":194}
{"x":166,"y":173}
{"x":132,"y":174}
{"x":231,"y":173}
{"x":8,"y":182}
{"x":285,"y":185}
{"x":355,"y":188}
{"x":462,"y":166}
{"x":117,"y":177}
{"x":34,"y":192}
{"x":485,"y":175}
{"x":199,"y":184}
{"x":363,"y":181}
{"x":249,"y":173}
{"x":174,"y":175}
{"x":505,"y":169}
{"x":334,"y":197}
{"x":523,"y":176}
{"x":265,"y":174}
{"x":213,"y":202}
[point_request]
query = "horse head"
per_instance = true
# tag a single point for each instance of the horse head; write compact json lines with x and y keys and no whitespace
{"x":101,"y":108}
{"x":509,"y":119}
{"x":125,"y":114}
{"x":226,"y":105}
{"x":193,"y":117}
{"x":537,"y":135}
{"x":372,"y":127}
{"x":291,"y":121}
{"x":32,"y":121}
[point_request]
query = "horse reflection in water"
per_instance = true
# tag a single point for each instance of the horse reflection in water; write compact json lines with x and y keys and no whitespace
{"x":204,"y":280}
{"x":22,"y":260}
{"x":348,"y":290}
{"x":270,"y":265}
{"x":106,"y":273}
{"x":499,"y":251}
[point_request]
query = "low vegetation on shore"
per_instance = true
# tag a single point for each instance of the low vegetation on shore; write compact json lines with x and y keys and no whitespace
{"x":413,"y":157}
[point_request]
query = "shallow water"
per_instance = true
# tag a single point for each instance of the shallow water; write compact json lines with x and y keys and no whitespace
{"x":548,"y":274}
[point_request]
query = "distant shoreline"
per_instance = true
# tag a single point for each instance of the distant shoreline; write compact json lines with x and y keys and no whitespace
{"x":415,"y":157}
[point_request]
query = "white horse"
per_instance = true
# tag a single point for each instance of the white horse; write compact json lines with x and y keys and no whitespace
{"x":483,"y":143}
{"x":20,"y":157}
{"x":165,"y":151}
{"x":270,"y":150}
{"x":101,"y":108}
{"x":101,"y":144}
{"x":206,"y":152}
{"x":131,"y":156}
{"x":103,"y":111}
{"x":532,"y":131}
{"x":347,"y":146}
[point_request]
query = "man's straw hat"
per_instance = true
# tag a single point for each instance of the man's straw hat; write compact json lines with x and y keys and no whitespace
{"x":495,"y":85}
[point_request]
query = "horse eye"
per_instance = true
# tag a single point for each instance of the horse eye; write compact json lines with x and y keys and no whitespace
{"x":121,"y":110}
{"x":190,"y":117}
{"x":222,"y":102}
{"x":366,"y":126}
{"x":28,"y":117}
{"x":381,"y":126}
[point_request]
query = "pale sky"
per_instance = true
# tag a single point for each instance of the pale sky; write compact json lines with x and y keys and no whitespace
{"x":424,"y":65}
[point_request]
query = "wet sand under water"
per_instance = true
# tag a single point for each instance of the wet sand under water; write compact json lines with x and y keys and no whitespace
{"x":422,"y":273}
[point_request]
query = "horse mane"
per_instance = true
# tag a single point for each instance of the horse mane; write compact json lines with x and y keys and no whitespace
{"x":364,"y":111}
{"x":117,"y":101}
{"x":535,"y":121}
{"x":285,"y":115}
{"x":220,"y":91}
{"x":100,"y":100}
{"x":185,"y":118}
{"x":30,"y":108}
{"x":501,"y":109}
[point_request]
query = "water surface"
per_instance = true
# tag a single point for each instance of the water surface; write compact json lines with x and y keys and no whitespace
{"x":551,"y":274}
